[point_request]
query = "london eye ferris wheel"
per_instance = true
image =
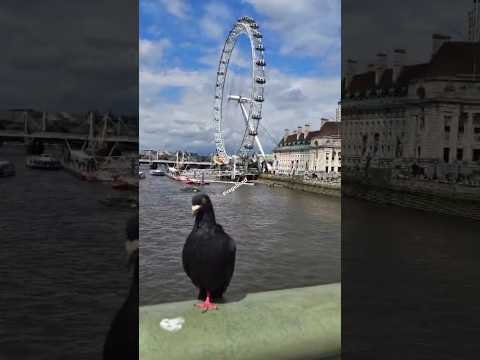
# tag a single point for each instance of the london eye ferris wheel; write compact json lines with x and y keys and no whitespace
{"x":250,"y":105}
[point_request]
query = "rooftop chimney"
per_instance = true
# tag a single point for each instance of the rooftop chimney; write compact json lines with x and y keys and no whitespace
{"x":398,"y":63}
{"x":299,"y":132}
{"x":350,"y":72}
{"x":285,"y":135}
{"x":437,"y":41}
{"x":322,"y":122}
{"x":306,"y":130}
{"x":380,"y":68}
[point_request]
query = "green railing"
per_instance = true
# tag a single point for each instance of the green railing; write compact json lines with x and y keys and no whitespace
{"x":299,"y":323}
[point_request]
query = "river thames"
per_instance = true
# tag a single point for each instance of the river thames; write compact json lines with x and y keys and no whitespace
{"x":284,"y":238}
{"x":63,"y":263}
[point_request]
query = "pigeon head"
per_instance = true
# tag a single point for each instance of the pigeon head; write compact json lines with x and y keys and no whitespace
{"x":131,"y":245}
{"x":202,"y":207}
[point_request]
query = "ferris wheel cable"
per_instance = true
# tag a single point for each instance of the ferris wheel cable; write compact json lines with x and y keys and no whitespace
{"x":269,"y":134}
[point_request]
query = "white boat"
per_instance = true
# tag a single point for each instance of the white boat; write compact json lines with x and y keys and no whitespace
{"x":44,"y":161}
{"x":174,"y":174}
{"x":193,"y":181}
{"x":157,"y":172}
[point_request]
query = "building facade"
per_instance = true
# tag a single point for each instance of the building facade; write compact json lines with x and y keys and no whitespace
{"x":305,"y":151}
{"x":424,"y":116}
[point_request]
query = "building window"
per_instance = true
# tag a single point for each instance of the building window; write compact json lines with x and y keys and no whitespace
{"x":476,"y":119}
{"x":447,"y":120}
{"x":446,"y":154}
{"x":339,"y":169}
{"x":326,"y":169}
{"x":419,"y":152}
{"x":461,"y":122}
{"x":476,"y":155}
{"x":331,"y":169}
{"x":459,"y":154}
{"x":422,"y":121}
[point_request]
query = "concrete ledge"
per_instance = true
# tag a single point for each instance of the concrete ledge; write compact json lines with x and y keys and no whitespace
{"x":301,"y":323}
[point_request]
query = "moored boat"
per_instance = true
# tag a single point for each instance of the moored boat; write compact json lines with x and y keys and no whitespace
{"x":157,"y":172}
{"x":192,"y":181}
{"x":44,"y":161}
{"x":174,"y":174}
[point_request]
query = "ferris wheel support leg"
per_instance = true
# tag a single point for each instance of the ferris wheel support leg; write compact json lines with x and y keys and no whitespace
{"x":234,"y":167}
{"x":257,"y":141}
{"x":245,"y":115}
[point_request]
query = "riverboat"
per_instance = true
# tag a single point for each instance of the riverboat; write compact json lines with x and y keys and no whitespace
{"x":44,"y":161}
{"x":157,"y":172}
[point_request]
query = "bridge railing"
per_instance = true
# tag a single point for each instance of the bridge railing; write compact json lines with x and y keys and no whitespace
{"x":301,"y":323}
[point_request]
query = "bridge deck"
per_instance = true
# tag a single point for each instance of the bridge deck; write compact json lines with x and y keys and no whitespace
{"x":65,"y":136}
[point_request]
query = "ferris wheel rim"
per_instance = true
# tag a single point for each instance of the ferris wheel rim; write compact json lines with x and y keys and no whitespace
{"x":243,"y":26}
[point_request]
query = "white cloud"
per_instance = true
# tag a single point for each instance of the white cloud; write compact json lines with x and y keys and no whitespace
{"x":306,"y":27}
{"x":151,"y":52}
{"x":187,"y":123}
{"x":172,"y":78}
{"x":211,"y":57}
{"x":215,"y":18}
{"x":178,"y":8}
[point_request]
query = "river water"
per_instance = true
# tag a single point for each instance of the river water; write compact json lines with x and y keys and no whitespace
{"x":410,"y":283}
{"x":284,"y":238}
{"x":62,"y":264}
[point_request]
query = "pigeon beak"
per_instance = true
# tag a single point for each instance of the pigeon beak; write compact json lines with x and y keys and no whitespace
{"x":131,"y":247}
{"x":195,"y":209}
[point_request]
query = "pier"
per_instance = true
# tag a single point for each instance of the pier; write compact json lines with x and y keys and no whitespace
{"x":301,"y":323}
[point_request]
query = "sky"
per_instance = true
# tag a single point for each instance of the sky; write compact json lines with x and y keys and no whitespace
{"x":180,"y":45}
{"x":69,"y":56}
{"x":372,"y":26}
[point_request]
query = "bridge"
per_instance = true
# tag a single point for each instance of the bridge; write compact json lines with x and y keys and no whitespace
{"x":100,"y":132}
{"x":48,"y":135}
{"x":174,"y":162}
{"x":109,"y":132}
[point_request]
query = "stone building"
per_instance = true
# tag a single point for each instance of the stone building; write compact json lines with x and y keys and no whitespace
{"x":424,"y":116}
{"x":304,"y":151}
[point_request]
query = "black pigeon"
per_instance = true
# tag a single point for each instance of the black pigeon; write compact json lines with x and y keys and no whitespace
{"x":208,"y":254}
{"x":122,"y":339}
